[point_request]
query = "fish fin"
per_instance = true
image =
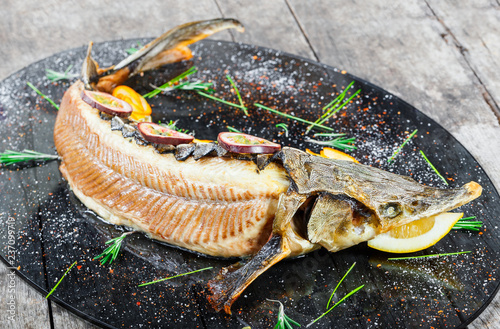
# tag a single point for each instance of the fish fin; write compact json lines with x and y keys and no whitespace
{"x":231,"y":281}
{"x":180,"y":36}
{"x":109,"y":82}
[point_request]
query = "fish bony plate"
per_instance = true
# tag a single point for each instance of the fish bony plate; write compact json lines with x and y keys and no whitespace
{"x":55,"y":229}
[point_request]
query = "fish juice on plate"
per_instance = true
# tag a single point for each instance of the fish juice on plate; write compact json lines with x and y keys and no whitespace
{"x":206,"y":198}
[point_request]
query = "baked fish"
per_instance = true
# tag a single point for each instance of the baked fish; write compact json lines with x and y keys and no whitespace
{"x":201,"y":197}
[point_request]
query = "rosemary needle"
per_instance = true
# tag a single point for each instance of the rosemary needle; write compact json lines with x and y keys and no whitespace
{"x":170,"y":83}
{"x":10,"y":157}
{"x":111,"y":252}
{"x":55,"y":76}
{"x":336,"y":304}
{"x":466,"y":224}
{"x":402,"y":145}
{"x":241,"y":107}
{"x":433,"y":168}
{"x":175,"y":276}
{"x":47,"y":98}
{"x":338,"y":285}
{"x":284,"y":321}
{"x":237,"y":93}
{"x":283,"y":126}
{"x":289,"y":116}
{"x":233,"y":130}
{"x":60,"y":280}
{"x":427,"y":256}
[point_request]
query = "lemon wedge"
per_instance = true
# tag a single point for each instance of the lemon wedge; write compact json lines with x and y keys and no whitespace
{"x":417,"y":235}
{"x":328,"y":152}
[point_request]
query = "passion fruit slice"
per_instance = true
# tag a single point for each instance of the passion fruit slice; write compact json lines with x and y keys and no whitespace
{"x":243,"y":143}
{"x":155,"y":133}
{"x":106,"y":103}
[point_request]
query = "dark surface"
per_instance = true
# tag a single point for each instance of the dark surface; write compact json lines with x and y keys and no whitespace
{"x":53,"y":229}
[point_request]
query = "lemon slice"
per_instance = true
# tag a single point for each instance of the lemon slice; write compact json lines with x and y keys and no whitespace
{"x":417,"y":235}
{"x":328,"y":152}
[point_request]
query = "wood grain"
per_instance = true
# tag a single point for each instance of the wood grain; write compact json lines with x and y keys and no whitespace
{"x":439,"y":56}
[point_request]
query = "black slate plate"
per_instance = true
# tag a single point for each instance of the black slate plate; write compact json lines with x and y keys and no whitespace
{"x":44,"y":228}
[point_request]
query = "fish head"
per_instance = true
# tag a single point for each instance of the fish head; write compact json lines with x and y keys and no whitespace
{"x":347,"y":203}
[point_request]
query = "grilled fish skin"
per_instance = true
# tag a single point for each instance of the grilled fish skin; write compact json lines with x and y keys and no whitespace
{"x":215,"y":205}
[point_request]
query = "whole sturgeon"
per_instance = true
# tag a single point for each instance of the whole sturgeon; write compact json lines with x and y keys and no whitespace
{"x":222,"y":204}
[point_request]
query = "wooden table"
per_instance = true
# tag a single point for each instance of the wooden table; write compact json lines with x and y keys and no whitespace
{"x":443,"y":57}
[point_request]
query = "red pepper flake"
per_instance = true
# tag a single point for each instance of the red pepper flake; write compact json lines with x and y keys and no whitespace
{"x":78,"y":266}
{"x":51,"y":193}
{"x":138,"y":303}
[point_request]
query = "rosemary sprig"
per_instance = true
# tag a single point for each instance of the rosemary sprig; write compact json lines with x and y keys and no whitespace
{"x":187,"y":85}
{"x":283,"y":126}
{"x":433,"y":168}
{"x":60,"y":280}
{"x":55,"y":76}
{"x":111,"y":252}
{"x":402,"y":145}
{"x":336,"y":304}
{"x":233,"y":130}
{"x":133,"y":50}
{"x":173,"y":125}
{"x":175,"y":276}
{"x":241,"y":107}
{"x":289,"y":116}
{"x":335,"y":106}
{"x":47,"y":98}
{"x":237,"y":93}
{"x":465,"y":224}
{"x":341,"y":143}
{"x":170,"y":83}
{"x":284,"y":321}
{"x":428,"y":256}
{"x":338,"y":284}
{"x":10,"y":157}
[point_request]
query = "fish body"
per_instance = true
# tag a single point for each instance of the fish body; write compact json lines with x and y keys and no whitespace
{"x":205,"y":199}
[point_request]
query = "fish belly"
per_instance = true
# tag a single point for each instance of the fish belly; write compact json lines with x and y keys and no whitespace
{"x":216,"y":206}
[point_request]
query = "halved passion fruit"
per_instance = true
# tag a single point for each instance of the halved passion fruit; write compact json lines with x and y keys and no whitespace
{"x":243,"y":143}
{"x":106,"y":103}
{"x":155,"y":133}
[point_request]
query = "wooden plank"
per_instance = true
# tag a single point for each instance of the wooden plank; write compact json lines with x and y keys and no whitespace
{"x":65,"y":319}
{"x":473,"y":29}
{"x":268,"y":24}
{"x":21,"y":306}
{"x":52,"y":26}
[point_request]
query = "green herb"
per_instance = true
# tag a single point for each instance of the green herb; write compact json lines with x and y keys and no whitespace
{"x":339,"y":142}
{"x":187,"y":85}
{"x":111,"y":252}
{"x":283,"y":126}
{"x":433,"y":168}
{"x":334,"y":106}
{"x":284,"y":321}
{"x":426,"y":256}
{"x":47,"y":98}
{"x":241,"y":107}
{"x":175,"y":276}
{"x":237,"y":93}
{"x":402,"y":145}
{"x":336,"y":304}
{"x":133,"y":50}
{"x":465,"y":224}
{"x":10,"y":157}
{"x":292,"y":117}
{"x":338,"y":285}
{"x":55,"y":76}
{"x":173,"y":125}
{"x":58,"y":282}
{"x":233,"y":130}
{"x":171,"y":83}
